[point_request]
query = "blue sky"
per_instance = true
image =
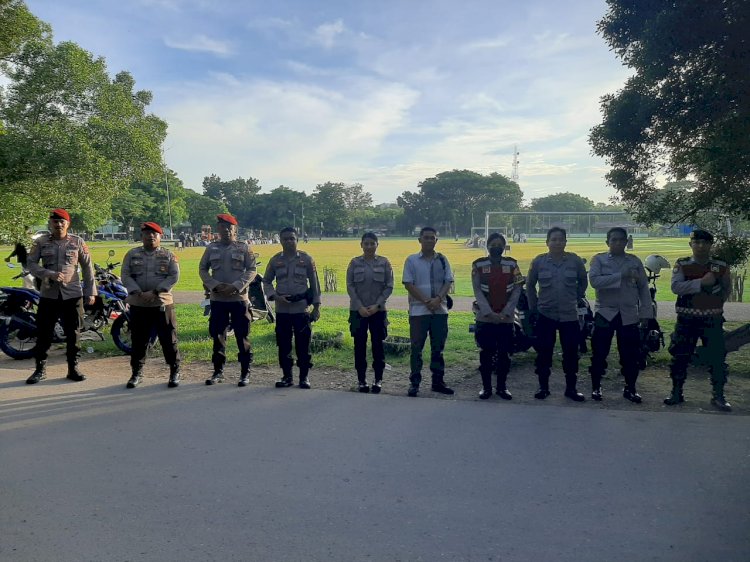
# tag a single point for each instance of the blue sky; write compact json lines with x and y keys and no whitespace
{"x":385,"y":93}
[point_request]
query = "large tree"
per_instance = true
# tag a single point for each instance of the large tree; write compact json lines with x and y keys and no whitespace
{"x":685,"y":113}
{"x":459,"y":197}
{"x":561,"y":202}
{"x":279,"y":208}
{"x":202,"y":210}
{"x":237,"y":194}
{"x":329,"y":202}
{"x":19,"y":26}
{"x":71,"y":136}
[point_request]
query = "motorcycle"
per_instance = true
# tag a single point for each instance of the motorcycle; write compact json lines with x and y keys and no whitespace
{"x":652,"y":336}
{"x":18,"y":328}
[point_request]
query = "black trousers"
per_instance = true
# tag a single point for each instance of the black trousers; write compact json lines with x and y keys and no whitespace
{"x":436,"y":326}
{"x":70,"y":311}
{"x":495,"y":343}
{"x":297,"y":326}
{"x":236,"y":315}
{"x":628,"y":344}
{"x":687,"y":331}
{"x":546,"y":332}
{"x":377,"y":325}
{"x":144,"y":319}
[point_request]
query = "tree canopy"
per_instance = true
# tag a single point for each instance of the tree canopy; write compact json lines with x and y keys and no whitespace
{"x":563,"y":202}
{"x":455,"y":197}
{"x":685,"y":113}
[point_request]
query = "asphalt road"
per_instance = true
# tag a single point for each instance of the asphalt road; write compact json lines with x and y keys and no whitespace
{"x":733,"y":311}
{"x":91,"y":471}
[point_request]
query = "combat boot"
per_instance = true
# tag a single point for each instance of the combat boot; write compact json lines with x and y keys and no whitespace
{"x":543,"y":390}
{"x":718,"y":401}
{"x":502,"y":390}
{"x":217,"y":377}
{"x":136,"y":378}
{"x":285,"y":382}
{"x":39,"y":374}
{"x":676,"y":396}
{"x":244,"y":376}
{"x":304,"y":379}
{"x":73,"y":373}
{"x":377,"y":385}
{"x":174,"y":376}
{"x":570,"y":389}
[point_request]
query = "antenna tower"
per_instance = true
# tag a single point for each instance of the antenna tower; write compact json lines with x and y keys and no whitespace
{"x":514,"y":173}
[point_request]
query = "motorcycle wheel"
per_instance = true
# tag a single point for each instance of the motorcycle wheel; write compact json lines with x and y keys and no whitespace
{"x":122,"y":336}
{"x":17,"y":343}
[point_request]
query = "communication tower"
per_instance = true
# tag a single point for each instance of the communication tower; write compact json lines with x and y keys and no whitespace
{"x":514,"y":173}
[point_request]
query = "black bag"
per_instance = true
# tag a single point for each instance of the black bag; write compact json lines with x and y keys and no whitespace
{"x":448,"y":298}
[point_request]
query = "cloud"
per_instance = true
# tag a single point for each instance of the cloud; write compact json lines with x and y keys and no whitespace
{"x":486,"y":44}
{"x":326,"y":33}
{"x":200,"y":43}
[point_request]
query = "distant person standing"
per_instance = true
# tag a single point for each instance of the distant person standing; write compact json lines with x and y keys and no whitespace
{"x":562,"y":281}
{"x":297,"y":287}
{"x":630,"y":242}
{"x":61,"y":292}
{"x":427,"y":277}
{"x":149,"y":273}
{"x":622,"y":301}
{"x":496,"y":281}
{"x":227,"y":268}
{"x":702,"y":286}
{"x":369,"y":282}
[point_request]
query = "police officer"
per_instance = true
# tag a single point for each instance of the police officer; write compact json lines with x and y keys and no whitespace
{"x":226,"y":269}
{"x":149,"y":273}
{"x":297,"y":287}
{"x":62,"y":295}
{"x":497,"y":281}
{"x":622,"y":300}
{"x":702,"y":285}
{"x":562,"y":282}
{"x":369,"y":282}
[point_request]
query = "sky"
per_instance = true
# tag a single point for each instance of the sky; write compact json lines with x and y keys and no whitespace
{"x":385,"y":93}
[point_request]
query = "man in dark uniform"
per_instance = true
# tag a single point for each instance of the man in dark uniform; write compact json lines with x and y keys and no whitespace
{"x":297,"y":287}
{"x":227,"y":268}
{"x":61,"y":293}
{"x":702,"y":285}
{"x":149,"y":273}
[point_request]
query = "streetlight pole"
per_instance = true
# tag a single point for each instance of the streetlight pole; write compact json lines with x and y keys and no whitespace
{"x":302,"y":228}
{"x":169,"y":203}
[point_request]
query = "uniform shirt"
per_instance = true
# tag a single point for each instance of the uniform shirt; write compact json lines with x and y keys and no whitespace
{"x":145,"y":271}
{"x":293,"y":275}
{"x":428,"y":275}
{"x":369,"y":282}
{"x":231,"y":263}
{"x":62,"y":256}
{"x":692,"y":298}
{"x":497,"y":287}
{"x":561,"y":284}
{"x":616,"y":294}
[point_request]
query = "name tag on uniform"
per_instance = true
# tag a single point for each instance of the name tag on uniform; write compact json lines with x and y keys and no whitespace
{"x":486,"y":269}
{"x":163,"y":268}
{"x":715,"y":268}
{"x":506,"y":269}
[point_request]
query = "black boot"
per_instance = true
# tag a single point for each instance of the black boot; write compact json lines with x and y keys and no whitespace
{"x":377,"y":385}
{"x":502,"y":390}
{"x":362,"y":383}
{"x":676,"y":396}
{"x":174,"y":376}
{"x":244,"y":376}
{"x":73,"y":373}
{"x":486,"y":391}
{"x":543,"y":390}
{"x":717,"y":399}
{"x":596,"y":387}
{"x":438,"y":385}
{"x":136,"y":378}
{"x":39,"y":374}
{"x":304,"y":379}
{"x":570,"y":389}
{"x":217,"y":377}
{"x":286,"y":381}
{"x":629,"y":393}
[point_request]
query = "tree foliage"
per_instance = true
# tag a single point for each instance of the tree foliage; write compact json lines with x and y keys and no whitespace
{"x":202,"y":209}
{"x":237,"y":194}
{"x":71,"y":136}
{"x":561,"y":202}
{"x":19,"y":26}
{"x":685,"y":113}
{"x":455,"y":197}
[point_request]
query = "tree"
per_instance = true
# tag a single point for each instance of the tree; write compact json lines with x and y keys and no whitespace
{"x":201,"y":209}
{"x":356,"y":198}
{"x":329,"y":204}
{"x":19,"y":27}
{"x":273,"y":211}
{"x":162,"y":204}
{"x":562,"y":202}
{"x":71,"y":136}
{"x":237,"y":194}
{"x":685,"y":114}
{"x":459,"y":196}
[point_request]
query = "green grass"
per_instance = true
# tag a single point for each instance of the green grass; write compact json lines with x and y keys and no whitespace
{"x":336,"y":254}
{"x":195,"y":343}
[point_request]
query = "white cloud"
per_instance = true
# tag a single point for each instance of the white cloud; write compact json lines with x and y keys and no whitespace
{"x":486,"y":44}
{"x":326,"y":33}
{"x":200,"y":43}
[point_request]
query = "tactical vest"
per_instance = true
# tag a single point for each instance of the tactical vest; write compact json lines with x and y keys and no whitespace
{"x":496,"y":281}
{"x":701,"y":304}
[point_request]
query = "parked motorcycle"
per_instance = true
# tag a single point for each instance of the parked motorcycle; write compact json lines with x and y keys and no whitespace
{"x":652,"y":337}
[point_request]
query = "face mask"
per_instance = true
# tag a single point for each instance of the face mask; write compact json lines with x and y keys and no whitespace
{"x":496,"y":252}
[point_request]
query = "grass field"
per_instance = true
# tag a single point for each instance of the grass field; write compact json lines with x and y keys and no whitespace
{"x":336,"y":254}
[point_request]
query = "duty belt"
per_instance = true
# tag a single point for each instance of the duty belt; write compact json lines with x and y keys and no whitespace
{"x":698,"y":312}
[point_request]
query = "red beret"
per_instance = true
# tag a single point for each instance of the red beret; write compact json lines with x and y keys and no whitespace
{"x":226,"y":218}
{"x":152,"y":226}
{"x":59,"y":214}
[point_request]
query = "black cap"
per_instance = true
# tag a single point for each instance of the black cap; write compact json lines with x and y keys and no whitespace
{"x":700,"y":234}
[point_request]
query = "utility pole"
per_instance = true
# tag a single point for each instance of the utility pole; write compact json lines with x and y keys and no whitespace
{"x":514,"y":173}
